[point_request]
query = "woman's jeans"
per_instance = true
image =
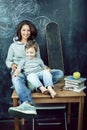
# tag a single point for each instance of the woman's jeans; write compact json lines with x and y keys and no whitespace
{"x":23,"y":92}
{"x":48,"y":78}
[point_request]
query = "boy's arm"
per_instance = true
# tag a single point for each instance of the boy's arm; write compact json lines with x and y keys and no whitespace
{"x":43,"y":65}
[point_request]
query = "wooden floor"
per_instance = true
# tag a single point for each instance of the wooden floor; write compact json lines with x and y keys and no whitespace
{"x":9,"y":125}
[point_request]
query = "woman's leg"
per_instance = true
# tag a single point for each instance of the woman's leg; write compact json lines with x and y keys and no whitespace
{"x":23,"y":92}
{"x":57,"y":75}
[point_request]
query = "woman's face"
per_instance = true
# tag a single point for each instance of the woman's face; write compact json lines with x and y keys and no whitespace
{"x":25,"y":32}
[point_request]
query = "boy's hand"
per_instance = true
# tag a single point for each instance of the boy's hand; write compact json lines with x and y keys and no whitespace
{"x":47,"y":68}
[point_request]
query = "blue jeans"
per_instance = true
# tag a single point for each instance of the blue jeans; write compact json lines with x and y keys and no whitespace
{"x":57,"y":75}
{"x":48,"y":78}
{"x":23,"y":92}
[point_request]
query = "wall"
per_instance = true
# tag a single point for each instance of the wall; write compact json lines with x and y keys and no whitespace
{"x":71,"y":16}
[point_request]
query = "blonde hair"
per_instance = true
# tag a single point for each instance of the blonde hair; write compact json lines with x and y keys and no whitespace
{"x":32,"y":44}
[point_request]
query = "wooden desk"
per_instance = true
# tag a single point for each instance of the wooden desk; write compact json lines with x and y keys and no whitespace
{"x":61,"y":97}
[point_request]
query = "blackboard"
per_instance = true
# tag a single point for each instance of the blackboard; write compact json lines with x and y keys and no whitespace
{"x":72,"y":19}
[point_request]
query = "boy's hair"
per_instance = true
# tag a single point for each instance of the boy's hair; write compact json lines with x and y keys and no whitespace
{"x":30,"y":44}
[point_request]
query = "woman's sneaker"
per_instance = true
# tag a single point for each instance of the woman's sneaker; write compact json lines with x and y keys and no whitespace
{"x":23,"y":110}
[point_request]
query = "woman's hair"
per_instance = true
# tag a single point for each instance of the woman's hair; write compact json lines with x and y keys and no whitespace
{"x":33,"y":29}
{"x":32,"y":44}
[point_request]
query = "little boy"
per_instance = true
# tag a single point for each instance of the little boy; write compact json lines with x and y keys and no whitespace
{"x":35,"y":70}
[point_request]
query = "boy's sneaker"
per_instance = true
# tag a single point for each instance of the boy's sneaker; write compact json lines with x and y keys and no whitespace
{"x":23,"y":110}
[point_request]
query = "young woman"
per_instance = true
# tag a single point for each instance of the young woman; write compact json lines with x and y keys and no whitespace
{"x":25,"y":31}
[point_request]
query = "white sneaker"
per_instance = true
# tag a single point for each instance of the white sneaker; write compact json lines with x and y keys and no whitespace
{"x":23,"y":110}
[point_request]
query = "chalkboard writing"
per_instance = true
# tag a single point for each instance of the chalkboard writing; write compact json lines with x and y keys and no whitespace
{"x":14,"y":12}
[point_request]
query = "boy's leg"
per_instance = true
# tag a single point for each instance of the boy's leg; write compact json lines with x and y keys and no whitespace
{"x":34,"y":78}
{"x":47,"y":78}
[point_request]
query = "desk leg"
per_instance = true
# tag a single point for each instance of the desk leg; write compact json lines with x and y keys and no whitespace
{"x":15,"y":103}
{"x":22,"y":121}
{"x":80,"y":113}
{"x":69,"y":113}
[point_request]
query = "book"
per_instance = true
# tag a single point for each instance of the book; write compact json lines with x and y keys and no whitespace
{"x":71,"y":79}
{"x":74,"y":85}
{"x":74,"y":89}
{"x":79,"y":89}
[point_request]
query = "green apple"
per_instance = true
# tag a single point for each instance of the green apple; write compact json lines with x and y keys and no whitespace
{"x":76,"y":75}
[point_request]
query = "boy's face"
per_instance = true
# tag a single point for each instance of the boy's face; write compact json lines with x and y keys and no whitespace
{"x":31,"y":53}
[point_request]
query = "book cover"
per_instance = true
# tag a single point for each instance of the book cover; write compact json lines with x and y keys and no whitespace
{"x":70,"y":78}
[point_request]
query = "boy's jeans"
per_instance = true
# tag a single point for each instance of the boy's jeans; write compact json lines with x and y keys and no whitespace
{"x":48,"y":78}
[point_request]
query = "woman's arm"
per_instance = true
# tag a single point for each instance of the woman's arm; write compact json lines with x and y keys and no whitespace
{"x":9,"y":59}
{"x":16,"y":72}
{"x":19,"y":67}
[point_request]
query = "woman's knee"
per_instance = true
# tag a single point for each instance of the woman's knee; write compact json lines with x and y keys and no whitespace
{"x":61,"y":73}
{"x":57,"y":72}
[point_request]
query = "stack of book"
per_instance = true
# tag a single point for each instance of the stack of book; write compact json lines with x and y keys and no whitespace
{"x":74,"y":84}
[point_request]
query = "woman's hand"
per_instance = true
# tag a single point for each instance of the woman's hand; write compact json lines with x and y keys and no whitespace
{"x":16,"y":72}
{"x":14,"y":66}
